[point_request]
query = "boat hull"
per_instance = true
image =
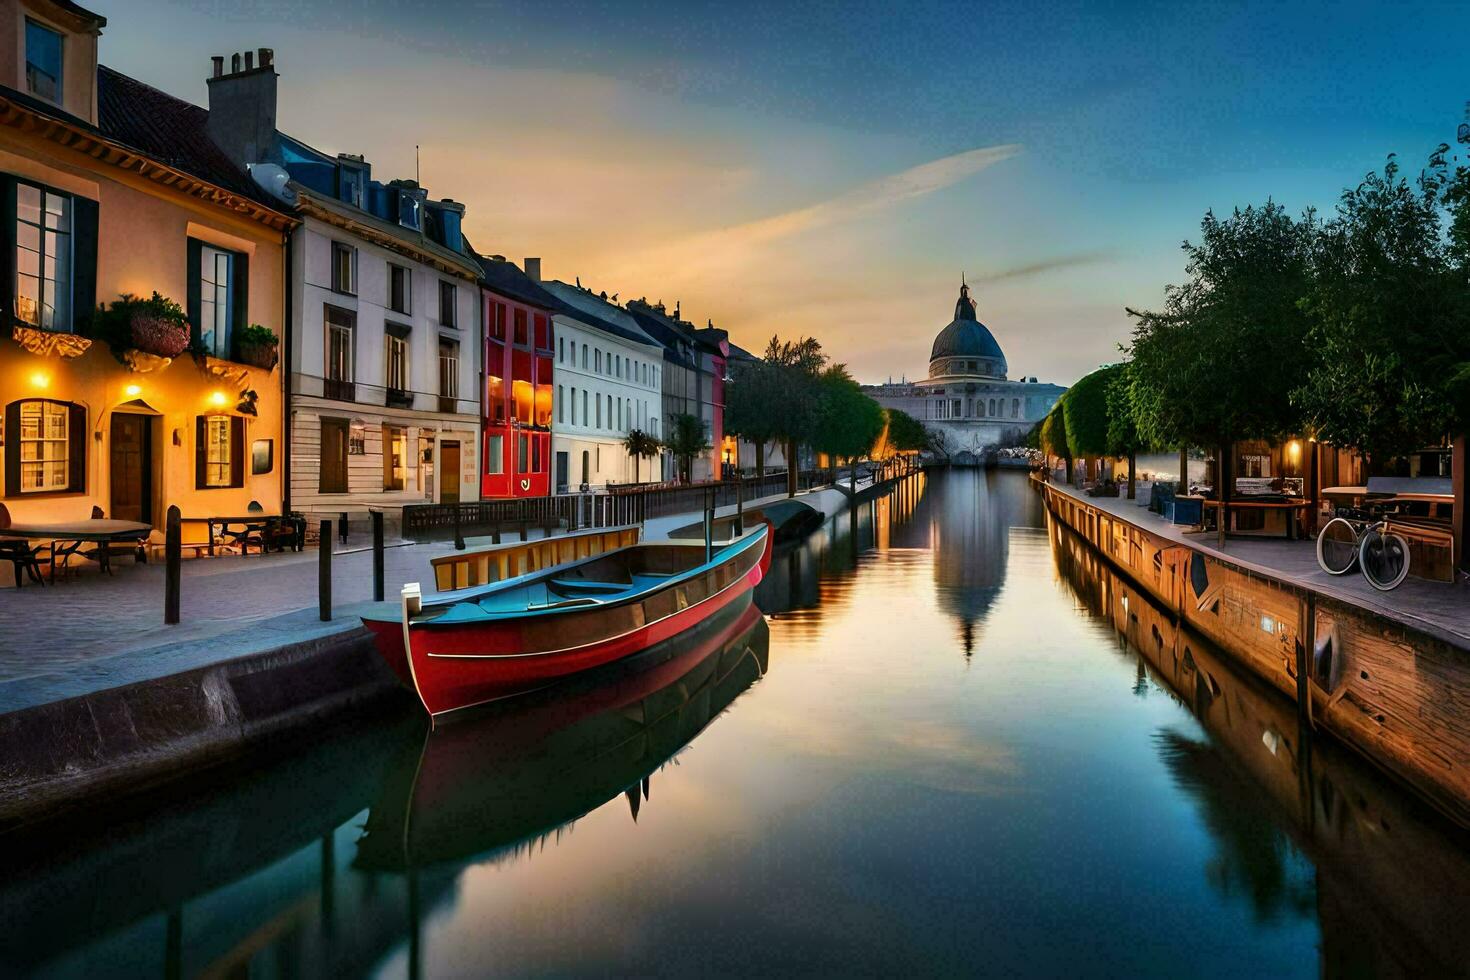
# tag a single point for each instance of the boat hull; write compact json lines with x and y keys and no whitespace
{"x":453,"y":666}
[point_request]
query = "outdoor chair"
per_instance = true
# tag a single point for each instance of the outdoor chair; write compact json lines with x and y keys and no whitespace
{"x":252,"y":532}
{"x":114,"y":549}
{"x":22,"y":555}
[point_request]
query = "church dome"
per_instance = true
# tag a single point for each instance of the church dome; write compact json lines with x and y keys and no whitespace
{"x":966,"y":346}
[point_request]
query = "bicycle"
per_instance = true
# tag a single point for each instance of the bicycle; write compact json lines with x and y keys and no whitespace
{"x":1360,"y":538}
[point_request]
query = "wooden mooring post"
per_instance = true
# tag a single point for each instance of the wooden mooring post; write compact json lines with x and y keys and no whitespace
{"x":172,"y":560}
{"x":377,"y":516}
{"x":324,"y":573}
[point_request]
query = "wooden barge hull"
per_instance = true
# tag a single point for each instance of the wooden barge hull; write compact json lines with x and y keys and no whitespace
{"x":1397,"y":695}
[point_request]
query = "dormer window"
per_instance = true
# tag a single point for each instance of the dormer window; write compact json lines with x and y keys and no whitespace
{"x":350,"y":185}
{"x":43,"y":62}
{"x":408,"y":211}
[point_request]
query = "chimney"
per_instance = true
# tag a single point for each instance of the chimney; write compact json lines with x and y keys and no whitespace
{"x":219,"y":65}
{"x":242,"y":108}
{"x":533,"y":269}
{"x":267,"y":57}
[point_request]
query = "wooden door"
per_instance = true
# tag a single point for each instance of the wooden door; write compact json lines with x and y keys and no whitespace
{"x":333,"y":456}
{"x":131,"y":468}
{"x":449,"y":473}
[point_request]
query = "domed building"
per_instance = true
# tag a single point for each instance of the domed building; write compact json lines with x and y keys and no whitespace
{"x":968,"y":401}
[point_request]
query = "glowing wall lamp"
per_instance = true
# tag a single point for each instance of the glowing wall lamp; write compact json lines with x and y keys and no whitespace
{"x":40,"y":380}
{"x":133,"y":391}
{"x":218,"y":398}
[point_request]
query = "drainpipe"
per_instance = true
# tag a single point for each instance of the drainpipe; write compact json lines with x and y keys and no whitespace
{"x":286,"y":332}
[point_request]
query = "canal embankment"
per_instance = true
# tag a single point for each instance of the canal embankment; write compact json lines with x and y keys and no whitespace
{"x":1385,"y":673}
{"x":97,"y":696}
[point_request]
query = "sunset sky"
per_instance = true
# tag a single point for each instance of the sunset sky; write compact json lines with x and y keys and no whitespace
{"x":831,"y":169}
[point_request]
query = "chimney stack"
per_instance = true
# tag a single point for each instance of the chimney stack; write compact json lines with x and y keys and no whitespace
{"x":533,"y":269}
{"x":242,"y":107}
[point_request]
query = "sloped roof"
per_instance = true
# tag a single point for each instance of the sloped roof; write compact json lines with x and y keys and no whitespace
{"x":589,"y":309}
{"x":170,"y":130}
{"x":507,"y":279}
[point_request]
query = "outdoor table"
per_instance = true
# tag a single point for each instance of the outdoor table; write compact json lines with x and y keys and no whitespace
{"x":298,"y":525}
{"x":1290,"y":505}
{"x":68,"y":537}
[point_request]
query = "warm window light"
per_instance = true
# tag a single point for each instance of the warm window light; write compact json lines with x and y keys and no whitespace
{"x":40,"y":380}
{"x":218,"y":398}
{"x":132,"y":391}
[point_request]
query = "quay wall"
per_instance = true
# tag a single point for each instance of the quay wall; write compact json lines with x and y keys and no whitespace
{"x":128,"y":738}
{"x":1398,"y":695}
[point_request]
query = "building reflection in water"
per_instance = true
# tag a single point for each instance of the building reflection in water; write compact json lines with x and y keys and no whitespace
{"x":327,"y":863}
{"x":1392,"y":877}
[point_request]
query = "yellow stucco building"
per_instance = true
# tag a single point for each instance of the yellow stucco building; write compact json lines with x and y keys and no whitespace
{"x":108,"y":187}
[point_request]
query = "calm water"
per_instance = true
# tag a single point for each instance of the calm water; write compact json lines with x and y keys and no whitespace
{"x":956,"y":743}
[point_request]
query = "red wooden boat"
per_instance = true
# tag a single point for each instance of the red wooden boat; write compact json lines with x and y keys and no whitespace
{"x":459,"y":649}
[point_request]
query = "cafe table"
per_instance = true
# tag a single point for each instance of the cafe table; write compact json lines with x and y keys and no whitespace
{"x":69,"y":537}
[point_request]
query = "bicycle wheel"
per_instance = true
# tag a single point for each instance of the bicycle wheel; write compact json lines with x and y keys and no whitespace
{"x":1384,"y":558}
{"x":1337,"y":547}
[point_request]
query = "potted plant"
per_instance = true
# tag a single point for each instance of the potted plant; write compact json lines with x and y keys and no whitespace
{"x":257,"y":346}
{"x":145,"y":334}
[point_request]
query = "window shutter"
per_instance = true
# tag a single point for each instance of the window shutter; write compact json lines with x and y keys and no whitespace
{"x":199,"y":452}
{"x":7,"y":278}
{"x":237,"y":451}
{"x":240,"y":297}
{"x":192,"y":305}
{"x":84,"y":264}
{"x":76,"y":450}
{"x":12,"y":445}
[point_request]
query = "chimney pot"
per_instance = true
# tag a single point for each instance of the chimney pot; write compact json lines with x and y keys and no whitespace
{"x":219,"y":65}
{"x":235,"y":63}
{"x":249,"y":60}
{"x":267,"y":57}
{"x":533,"y":269}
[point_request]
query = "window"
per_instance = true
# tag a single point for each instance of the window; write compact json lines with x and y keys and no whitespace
{"x":446,"y":304}
{"x":599,"y":362}
{"x":219,"y":452}
{"x":574,"y":406}
{"x":523,"y":457}
{"x":340,"y":326}
{"x":349,"y":185}
{"x":395,"y":446}
{"x":400,"y":289}
{"x":43,"y":257}
{"x":520,"y":335}
{"x":599,"y":411}
{"x":43,"y":433}
{"x":561,"y":410}
{"x":495,"y":455}
{"x":584,"y":357}
{"x":397,"y":357}
{"x":344,"y":269}
{"x":262,"y":457}
{"x":620,"y":415}
{"x":618,"y":365}
{"x":497,"y":322}
{"x":561,"y":350}
{"x":216,"y":304}
{"x":408,"y":210}
{"x":43,"y":62}
{"x":584,"y":405}
{"x":1015,"y":408}
{"x":448,"y":368}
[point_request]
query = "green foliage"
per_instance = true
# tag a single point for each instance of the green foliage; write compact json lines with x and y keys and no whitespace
{"x":1390,"y":314}
{"x":846,"y":422}
{"x":255,"y":334}
{"x":1054,"y":432}
{"x":1085,"y":409}
{"x":640,"y":445}
{"x":1220,"y":361}
{"x":906,"y":433}
{"x":688,"y":436}
{"x":1123,"y":437}
{"x":793,"y":399}
{"x":114,"y":322}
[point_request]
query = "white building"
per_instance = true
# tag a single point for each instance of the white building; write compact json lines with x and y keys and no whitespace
{"x":967,"y":403}
{"x":608,"y":374}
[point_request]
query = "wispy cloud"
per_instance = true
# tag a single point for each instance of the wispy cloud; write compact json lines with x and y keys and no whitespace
{"x":876,"y":195}
{"x":1046,"y":265}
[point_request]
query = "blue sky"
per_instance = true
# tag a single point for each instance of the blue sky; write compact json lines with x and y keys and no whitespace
{"x":830,"y":169}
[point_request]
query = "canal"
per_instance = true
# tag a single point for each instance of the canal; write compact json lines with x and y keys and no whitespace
{"x":955,"y":742}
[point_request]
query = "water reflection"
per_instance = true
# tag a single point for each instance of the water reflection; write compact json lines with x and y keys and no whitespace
{"x":1302,"y":827}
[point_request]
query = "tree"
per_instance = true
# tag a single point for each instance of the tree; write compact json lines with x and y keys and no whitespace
{"x":753,"y":388}
{"x":795,"y":397}
{"x":640,"y":445}
{"x":906,"y":433}
{"x":1220,"y":362}
{"x":1390,"y":315}
{"x":688,"y":437}
{"x":1054,"y":435}
{"x":847,"y":422}
{"x":1122,"y":437}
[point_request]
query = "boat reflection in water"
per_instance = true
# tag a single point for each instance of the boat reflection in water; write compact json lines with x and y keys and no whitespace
{"x":1391,"y":881}
{"x":505,"y":780}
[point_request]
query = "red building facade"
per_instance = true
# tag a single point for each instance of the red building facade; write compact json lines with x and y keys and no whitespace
{"x":518,"y":397}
